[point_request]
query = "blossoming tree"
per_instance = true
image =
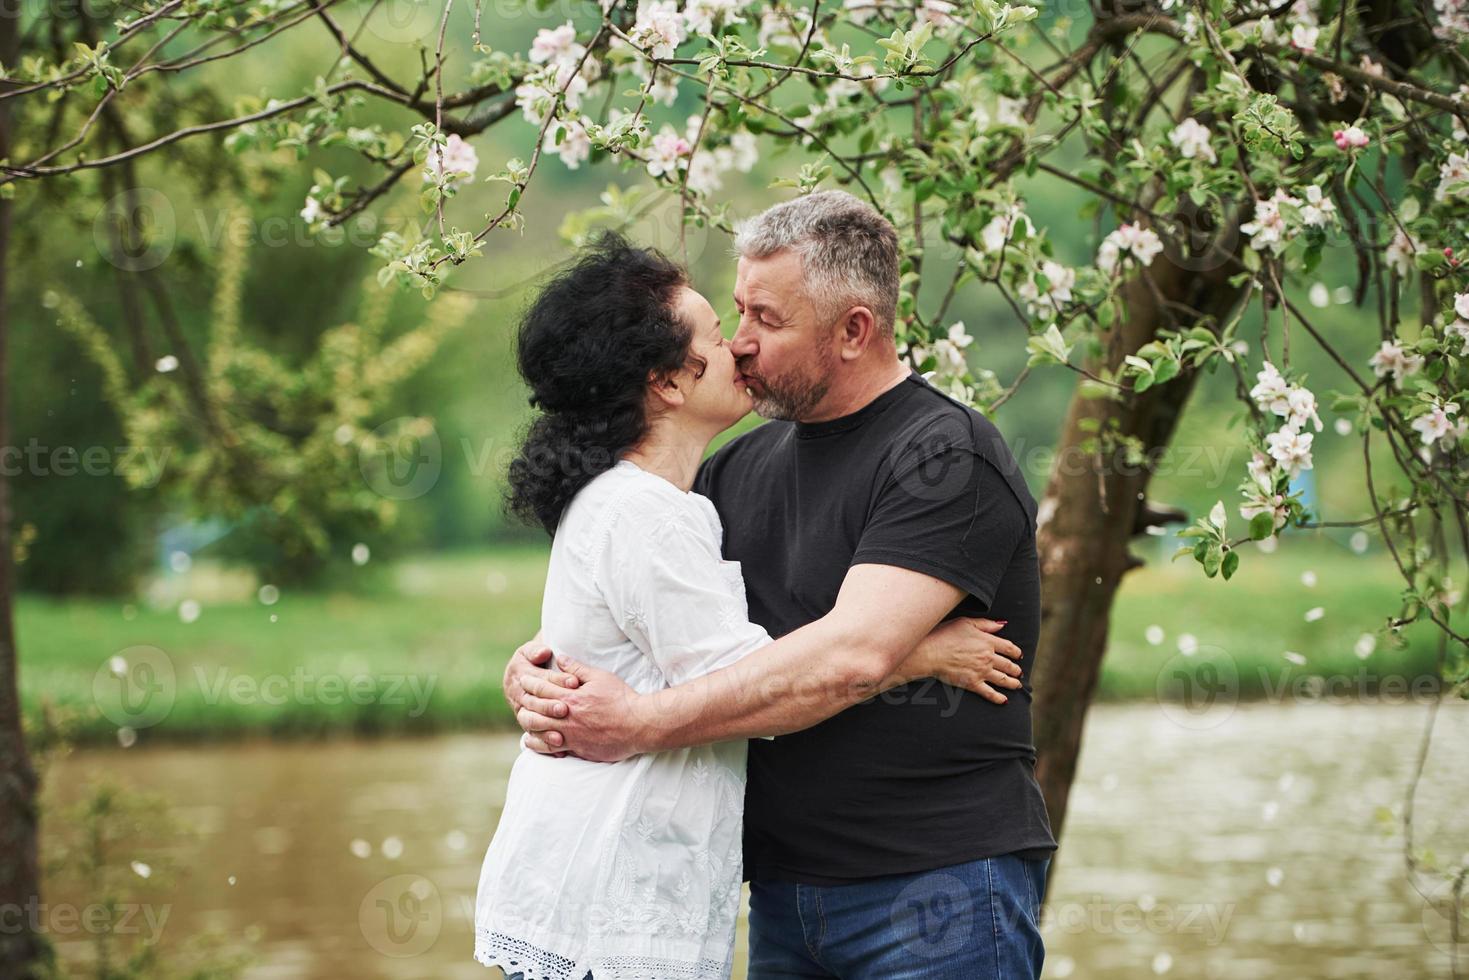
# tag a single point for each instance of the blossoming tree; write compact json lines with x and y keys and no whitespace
{"x":1226,"y":145}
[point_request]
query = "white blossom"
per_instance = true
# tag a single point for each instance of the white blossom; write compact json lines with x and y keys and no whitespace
{"x":1262,"y":471}
{"x":575,"y":146}
{"x":1272,"y":391}
{"x":1265,"y":503}
{"x":1392,"y":360}
{"x":556,"y":44}
{"x":670,"y":153}
{"x":1060,"y":278}
{"x":658,"y":27}
{"x":1303,"y":37}
{"x":1137,"y":242}
{"x":312,"y":212}
{"x":1439,"y":424}
{"x":1002,"y":228}
{"x":1351,"y":138}
{"x":1191,"y":138}
{"x":1291,"y":449}
{"x":744,"y":151}
{"x":1453,"y":177}
{"x":1317,"y":211}
{"x":1268,"y":230}
{"x":1400,"y":251}
{"x":703,"y":16}
{"x":456,"y":159}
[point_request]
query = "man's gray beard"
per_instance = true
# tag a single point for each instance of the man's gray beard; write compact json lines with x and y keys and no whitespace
{"x":791,"y":405}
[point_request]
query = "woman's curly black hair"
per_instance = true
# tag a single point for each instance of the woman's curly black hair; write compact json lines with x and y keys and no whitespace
{"x":586,"y":349}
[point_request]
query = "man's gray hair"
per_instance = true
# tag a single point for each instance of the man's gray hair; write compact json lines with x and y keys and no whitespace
{"x":849,"y":252}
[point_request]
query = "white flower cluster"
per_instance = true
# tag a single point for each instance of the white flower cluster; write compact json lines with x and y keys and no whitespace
{"x":1002,"y":227}
{"x":1191,"y":139}
{"x":1453,"y":177}
{"x":1391,"y":360}
{"x":948,"y":351}
{"x":1459,"y":328}
{"x":1290,"y":447}
{"x":559,"y":54}
{"x":1400,"y":252}
{"x":709,"y":163}
{"x":455,"y":162}
{"x":1060,"y":280}
{"x":1131,"y":242}
{"x":575,"y":145}
{"x":1274,"y":228}
{"x":1300,"y":28}
{"x":1440,"y":425}
{"x":1453,"y":19}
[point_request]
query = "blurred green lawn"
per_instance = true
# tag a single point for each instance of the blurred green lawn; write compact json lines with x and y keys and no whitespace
{"x":452,"y":620}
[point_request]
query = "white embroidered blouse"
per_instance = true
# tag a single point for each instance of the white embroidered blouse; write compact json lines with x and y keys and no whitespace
{"x":629,"y":870}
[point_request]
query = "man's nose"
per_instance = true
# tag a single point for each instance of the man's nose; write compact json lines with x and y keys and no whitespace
{"x":743,"y":343}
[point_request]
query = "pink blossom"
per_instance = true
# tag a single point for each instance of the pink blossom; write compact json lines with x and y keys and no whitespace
{"x":1351,"y":138}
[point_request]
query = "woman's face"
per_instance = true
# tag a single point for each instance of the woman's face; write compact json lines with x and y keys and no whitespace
{"x":718,"y":395}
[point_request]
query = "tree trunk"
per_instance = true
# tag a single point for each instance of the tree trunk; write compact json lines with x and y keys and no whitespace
{"x":1093,"y":506}
{"x":20,"y":886}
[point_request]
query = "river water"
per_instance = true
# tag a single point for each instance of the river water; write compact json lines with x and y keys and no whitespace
{"x":1253,"y":845}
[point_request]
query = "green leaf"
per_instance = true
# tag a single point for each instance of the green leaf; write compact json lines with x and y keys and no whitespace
{"x":1230,"y":564}
{"x":1262,"y":525}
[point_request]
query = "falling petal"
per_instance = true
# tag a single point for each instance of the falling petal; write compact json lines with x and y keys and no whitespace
{"x":1315,"y":613}
{"x":1154,"y":634}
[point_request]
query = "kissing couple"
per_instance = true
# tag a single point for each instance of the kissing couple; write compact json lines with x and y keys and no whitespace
{"x":801,"y":662}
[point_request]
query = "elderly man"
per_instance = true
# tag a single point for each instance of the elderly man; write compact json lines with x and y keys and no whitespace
{"x":901,"y":835}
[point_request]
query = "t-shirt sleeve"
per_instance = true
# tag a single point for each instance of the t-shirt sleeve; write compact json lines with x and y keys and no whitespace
{"x":948,"y":513}
{"x":673,"y":596}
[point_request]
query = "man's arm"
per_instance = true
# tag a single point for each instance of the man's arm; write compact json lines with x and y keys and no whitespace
{"x":881,"y":614}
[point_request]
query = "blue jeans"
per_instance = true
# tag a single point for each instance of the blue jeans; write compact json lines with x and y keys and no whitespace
{"x":974,"y":921}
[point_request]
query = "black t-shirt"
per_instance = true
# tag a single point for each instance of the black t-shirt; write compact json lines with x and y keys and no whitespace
{"x":925,"y":775}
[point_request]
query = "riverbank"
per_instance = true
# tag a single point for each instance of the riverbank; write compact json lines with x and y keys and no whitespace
{"x":420,"y":645}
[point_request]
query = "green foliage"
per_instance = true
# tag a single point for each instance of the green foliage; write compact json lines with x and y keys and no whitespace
{"x":279,"y":448}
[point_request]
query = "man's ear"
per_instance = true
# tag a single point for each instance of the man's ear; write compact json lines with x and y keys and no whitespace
{"x":857,"y":332}
{"x":665,"y":389}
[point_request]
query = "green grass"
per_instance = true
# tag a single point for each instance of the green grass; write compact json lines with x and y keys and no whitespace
{"x":436,"y":620}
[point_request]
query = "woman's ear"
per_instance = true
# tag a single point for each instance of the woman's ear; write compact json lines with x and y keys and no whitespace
{"x":665,"y":388}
